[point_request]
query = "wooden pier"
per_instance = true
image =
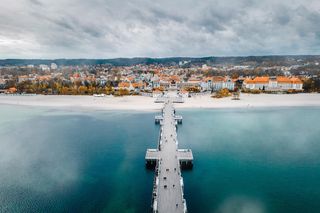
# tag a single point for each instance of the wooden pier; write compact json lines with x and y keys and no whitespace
{"x":168,"y":160}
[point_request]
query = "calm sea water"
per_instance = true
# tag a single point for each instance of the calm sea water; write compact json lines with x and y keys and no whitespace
{"x":246,"y":160}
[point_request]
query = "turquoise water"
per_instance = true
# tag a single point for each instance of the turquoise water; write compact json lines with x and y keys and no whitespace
{"x":246,"y":160}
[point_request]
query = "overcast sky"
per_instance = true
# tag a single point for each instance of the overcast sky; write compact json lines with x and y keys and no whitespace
{"x":139,"y":28}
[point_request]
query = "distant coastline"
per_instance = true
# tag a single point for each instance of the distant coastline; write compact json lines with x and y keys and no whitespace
{"x":150,"y":60}
{"x":141,"y":103}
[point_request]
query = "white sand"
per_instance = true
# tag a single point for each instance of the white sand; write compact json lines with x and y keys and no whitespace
{"x":254,"y":100}
{"x":147,"y":103}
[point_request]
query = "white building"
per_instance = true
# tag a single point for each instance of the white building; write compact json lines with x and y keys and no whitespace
{"x":54,"y":66}
{"x":217,"y":83}
{"x":184,"y":93}
{"x":157,"y":93}
{"x":44,"y":67}
{"x":192,"y":82}
{"x":279,"y":83}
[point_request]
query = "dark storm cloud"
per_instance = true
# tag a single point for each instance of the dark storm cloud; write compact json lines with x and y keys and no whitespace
{"x":110,"y":28}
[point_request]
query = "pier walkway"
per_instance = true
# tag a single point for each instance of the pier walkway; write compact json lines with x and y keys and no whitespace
{"x":163,"y":99}
{"x":168,"y":160}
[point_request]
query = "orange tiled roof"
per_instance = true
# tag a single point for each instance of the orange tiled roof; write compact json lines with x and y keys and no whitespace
{"x":261,"y":80}
{"x":248,"y":81}
{"x":135,"y":85}
{"x":207,"y":79}
{"x":218,"y":78}
{"x":282,"y":79}
{"x":215,"y":78}
{"x":295,"y":80}
{"x":44,"y":77}
{"x":193,"y":79}
{"x":130,"y":78}
{"x":175,"y":78}
{"x":12,"y":90}
{"x":124,"y":84}
{"x":257,"y":80}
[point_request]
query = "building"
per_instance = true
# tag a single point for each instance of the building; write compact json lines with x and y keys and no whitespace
{"x":138,"y":86}
{"x":54,"y":66}
{"x":184,"y":93}
{"x":217,"y":83}
{"x":157,"y":93}
{"x":11,"y":90}
{"x":44,"y":67}
{"x":23,"y":78}
{"x":164,"y":81}
{"x":192,"y":82}
{"x":125,"y":86}
{"x":258,"y":83}
{"x":2,"y":83}
{"x":175,"y":81}
{"x":296,"y":83}
{"x":279,"y":83}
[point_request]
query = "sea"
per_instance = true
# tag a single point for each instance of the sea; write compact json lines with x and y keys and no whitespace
{"x":250,"y":160}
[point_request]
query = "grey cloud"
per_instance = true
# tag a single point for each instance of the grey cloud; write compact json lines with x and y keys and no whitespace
{"x":36,"y":2}
{"x":281,"y":15}
{"x":109,"y":28}
{"x":161,"y":14}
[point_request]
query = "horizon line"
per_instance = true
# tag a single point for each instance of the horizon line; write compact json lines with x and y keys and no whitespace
{"x":168,"y":57}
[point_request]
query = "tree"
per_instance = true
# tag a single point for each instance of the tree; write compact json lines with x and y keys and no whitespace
{"x":222,"y":93}
{"x":83,"y":90}
{"x":308,"y":85}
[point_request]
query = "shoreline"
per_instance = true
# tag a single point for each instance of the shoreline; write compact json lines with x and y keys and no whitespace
{"x":142,"y":103}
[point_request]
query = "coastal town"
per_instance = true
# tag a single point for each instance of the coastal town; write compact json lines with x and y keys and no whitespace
{"x":159,"y":106}
{"x":153,"y":79}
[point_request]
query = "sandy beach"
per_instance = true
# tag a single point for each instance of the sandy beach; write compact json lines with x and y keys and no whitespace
{"x":147,"y":103}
